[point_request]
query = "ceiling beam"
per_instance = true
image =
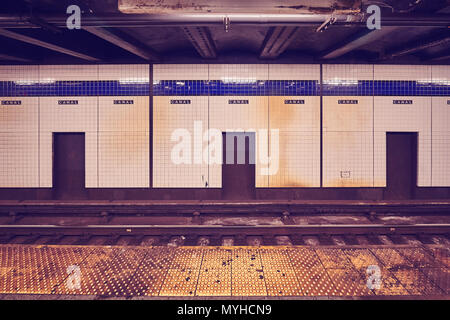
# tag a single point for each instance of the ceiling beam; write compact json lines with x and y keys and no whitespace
{"x":442,"y":57}
{"x":356,"y":41}
{"x":424,"y":45}
{"x":201,"y":39}
{"x":46,"y":45}
{"x":277,"y":40}
{"x":13,"y":58}
{"x":123,"y":42}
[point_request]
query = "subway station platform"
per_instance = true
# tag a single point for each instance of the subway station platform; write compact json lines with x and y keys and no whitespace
{"x":272,"y":272}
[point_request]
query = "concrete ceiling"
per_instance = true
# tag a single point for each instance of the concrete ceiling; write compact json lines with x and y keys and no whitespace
{"x":123,"y":31}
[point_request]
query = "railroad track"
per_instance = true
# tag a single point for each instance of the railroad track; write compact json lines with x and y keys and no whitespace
{"x":225,"y":223}
{"x":220,"y":235}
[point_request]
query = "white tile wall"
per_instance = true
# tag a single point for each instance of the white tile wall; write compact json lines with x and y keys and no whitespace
{"x":294,"y":72}
{"x":68,"y":73}
{"x":137,"y":73}
{"x":117,"y":135}
{"x":406,"y":72}
{"x":441,"y":131}
{"x":19,"y":152}
{"x":348,"y":159}
{"x":123,"y":153}
{"x":123,"y":138}
{"x":348,"y":117}
{"x":19,"y":118}
{"x":118,"y":140}
{"x":347,"y":131}
{"x":68,"y":118}
{"x":403,"y":118}
{"x":441,"y":142}
{"x":249,"y":117}
{"x":167,"y":118}
{"x":389,"y":117}
{"x":19,"y":144}
{"x":124,"y":117}
{"x":180,"y":72}
{"x":21,"y":74}
{"x":348,"y":142}
{"x":19,"y":160}
{"x":123,"y":159}
{"x":299,"y":141}
{"x":239,"y":72}
{"x":347,"y":72}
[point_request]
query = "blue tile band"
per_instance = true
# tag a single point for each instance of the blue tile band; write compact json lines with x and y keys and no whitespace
{"x":221,"y":88}
{"x":229,"y":88}
{"x":72,"y":89}
{"x":386,"y":88}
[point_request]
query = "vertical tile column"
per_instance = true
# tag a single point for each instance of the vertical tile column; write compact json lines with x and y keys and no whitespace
{"x":441,"y":127}
{"x":180,"y":122}
{"x":123,"y":126}
{"x":240,"y":82}
{"x":393,"y":83}
{"x":347,"y":126}
{"x":294,"y":110}
{"x":19,"y":165}
{"x":55,"y":116}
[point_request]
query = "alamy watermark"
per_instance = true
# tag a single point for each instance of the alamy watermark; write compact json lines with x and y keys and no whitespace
{"x":373,"y":277}
{"x":206,"y":147}
{"x":73,"y":281}
{"x":74,"y":20}
{"x":374,"y":21}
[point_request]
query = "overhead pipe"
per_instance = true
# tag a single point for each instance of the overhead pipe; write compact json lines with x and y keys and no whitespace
{"x":214,"y":19}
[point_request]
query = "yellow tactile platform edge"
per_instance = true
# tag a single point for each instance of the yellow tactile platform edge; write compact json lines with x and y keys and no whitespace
{"x":225,"y":271}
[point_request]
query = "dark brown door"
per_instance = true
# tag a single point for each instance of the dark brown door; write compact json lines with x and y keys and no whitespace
{"x":238,"y":168}
{"x":69,"y":165}
{"x":401,"y":149}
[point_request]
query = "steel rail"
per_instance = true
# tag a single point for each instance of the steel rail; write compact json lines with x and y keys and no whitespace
{"x":261,"y":230}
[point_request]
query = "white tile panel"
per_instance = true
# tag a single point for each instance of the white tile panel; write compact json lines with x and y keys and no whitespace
{"x":68,"y":73}
{"x":348,"y":117}
{"x":294,"y":72}
{"x":180,"y":72}
{"x":167,"y":118}
{"x":239,"y":72}
{"x":19,"y":143}
{"x":123,"y":159}
{"x":299,"y":141}
{"x":124,"y":117}
{"x":46,"y":159}
{"x":334,"y":72}
{"x":402,"y":72}
{"x":19,"y":160}
{"x":347,"y":142}
{"x":441,"y":142}
{"x":347,"y":159}
{"x":390,"y":117}
{"x":251,"y":117}
{"x":127,"y":73}
{"x":21,"y":74}
{"x":54,"y":117}
{"x":440,"y":73}
{"x":123,"y":150}
{"x":57,"y":117}
{"x":19,"y":118}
